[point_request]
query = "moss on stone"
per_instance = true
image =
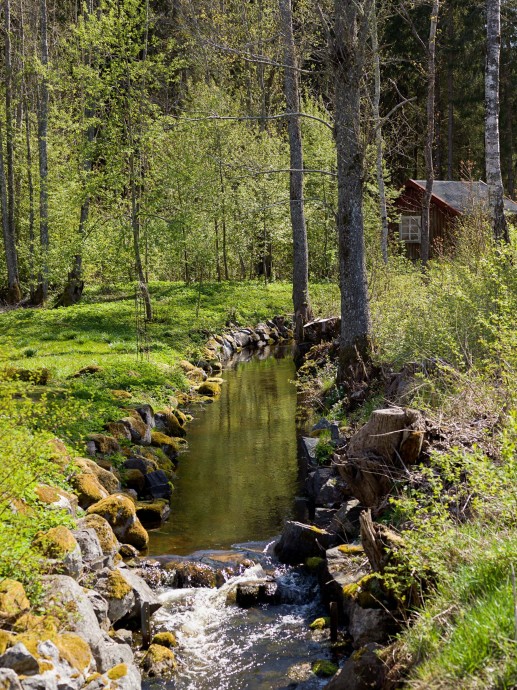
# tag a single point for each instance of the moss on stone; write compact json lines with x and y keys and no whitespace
{"x":57,"y":542}
{"x":46,"y":494}
{"x":136,"y":425}
{"x":13,"y":600}
{"x":118,"y":430}
{"x":320,"y":623}
{"x":209,"y":389}
{"x":105,"y":444}
{"x":351,"y":549}
{"x":134,"y":479}
{"x":137,"y":536}
{"x":6,"y":640}
{"x":160,"y":439}
{"x":107,"y":539}
{"x":117,"y":672}
{"x":165,"y":639}
{"x":75,"y":650}
{"x":314,"y":562}
{"x":159,"y":660}
{"x":324,"y":668}
{"x":121,"y":395}
{"x":116,"y":585}
{"x":29,"y":622}
{"x":89,"y":489}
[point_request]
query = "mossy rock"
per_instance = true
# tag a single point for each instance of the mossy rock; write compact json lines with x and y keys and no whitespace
{"x":89,"y":489}
{"x":38,"y":377}
{"x":6,"y":640}
{"x":159,"y":661}
{"x":116,"y":585}
{"x":13,"y":600}
{"x":369,"y":592}
{"x":56,"y":497}
{"x":323,"y":668}
{"x":196,"y":375}
{"x":56,"y":542}
{"x":120,"y":512}
{"x":173,"y":424}
{"x":165,"y":639}
{"x":209,"y":389}
{"x":88,"y":371}
{"x":186,"y":366}
{"x":136,"y":426}
{"x":351,"y":549}
{"x":134,"y":479}
{"x":159,"y":439}
{"x":107,"y":539}
{"x":215,"y":379}
{"x":59,"y":454}
{"x":104,"y":444}
{"x":117,"y":672}
{"x":320,"y":623}
{"x":72,"y":647}
{"x":121,"y":395}
{"x":105,"y":477}
{"x":119,"y":431}
{"x":153,"y":513}
{"x":29,"y":622}
{"x":314,"y":562}
{"x":180,"y":416}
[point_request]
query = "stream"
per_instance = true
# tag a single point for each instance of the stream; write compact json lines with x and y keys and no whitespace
{"x":235,"y":488}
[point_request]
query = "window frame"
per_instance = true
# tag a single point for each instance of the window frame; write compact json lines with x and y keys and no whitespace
{"x":409,"y":230}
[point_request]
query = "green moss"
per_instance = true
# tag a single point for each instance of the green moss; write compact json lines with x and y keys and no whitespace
{"x":6,"y":640}
{"x":116,"y":586}
{"x":165,"y":639}
{"x":117,"y":672}
{"x":210,"y":389}
{"x":324,"y":668}
{"x":314,"y":562}
{"x":351,"y":549}
{"x":160,"y":439}
{"x":159,"y":658}
{"x":38,"y":377}
{"x":320,"y":623}
{"x":57,"y":542}
{"x":88,"y":488}
{"x":13,"y":600}
{"x":107,"y":539}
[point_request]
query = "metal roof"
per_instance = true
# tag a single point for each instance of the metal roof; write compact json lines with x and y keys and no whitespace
{"x":464,"y":196}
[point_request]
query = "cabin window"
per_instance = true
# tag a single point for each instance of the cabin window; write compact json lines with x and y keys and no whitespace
{"x":409,"y":228}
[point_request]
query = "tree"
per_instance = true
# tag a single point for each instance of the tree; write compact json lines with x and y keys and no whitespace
{"x":301,"y":302}
{"x":492,"y":143}
{"x":348,"y":53}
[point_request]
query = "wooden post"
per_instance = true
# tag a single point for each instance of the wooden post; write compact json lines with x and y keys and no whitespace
{"x":333,"y":621}
{"x":146,"y":625}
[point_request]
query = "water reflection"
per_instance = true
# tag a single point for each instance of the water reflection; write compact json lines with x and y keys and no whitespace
{"x":239,"y":478}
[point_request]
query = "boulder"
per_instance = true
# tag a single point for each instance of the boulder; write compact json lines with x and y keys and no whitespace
{"x":169,"y":444}
{"x":119,"y":431}
{"x":101,"y":608}
{"x":91,"y":550}
{"x":210,"y":389}
{"x":134,"y":479}
{"x":369,"y":625}
{"x":159,"y":661}
{"x":89,"y":489}
{"x":345,"y":521}
{"x":158,"y":486}
{"x":181,"y":573}
{"x":118,"y":593}
{"x":108,"y":541}
{"x":13,"y":600}
{"x":332,"y":492}
{"x":363,"y":670}
{"x":299,"y":541}
{"x":169,"y":423}
{"x":140,"y":463}
{"x":20,"y":660}
{"x":101,"y":443}
{"x":254,"y":592}
{"x":60,"y":547}
{"x":140,"y":432}
{"x":165,"y":639}
{"x":105,"y":477}
{"x":56,"y":498}
{"x":308,"y":451}
{"x":344,"y":566}
{"x":146,"y":412}
{"x":152,"y":514}
{"x":141,"y":591}
{"x":120,"y":512}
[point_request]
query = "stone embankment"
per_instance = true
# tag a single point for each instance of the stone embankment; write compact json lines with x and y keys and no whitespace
{"x":85,"y":633}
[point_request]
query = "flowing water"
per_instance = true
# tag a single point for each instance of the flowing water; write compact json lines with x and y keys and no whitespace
{"x":236,"y":484}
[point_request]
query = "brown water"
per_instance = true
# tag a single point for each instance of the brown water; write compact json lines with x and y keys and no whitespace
{"x":239,"y":477}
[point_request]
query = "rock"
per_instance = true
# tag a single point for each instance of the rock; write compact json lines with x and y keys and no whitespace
{"x":299,"y":541}
{"x":122,"y":636}
{"x":120,"y":512}
{"x":369,"y":625}
{"x":89,"y":489}
{"x":169,"y":423}
{"x":140,"y":432}
{"x":57,"y":498}
{"x":121,"y":394}
{"x":157,"y":485}
{"x":119,"y":431}
{"x":210,"y":389}
{"x":124,"y":677}
{"x":165,"y":639}
{"x":140,"y":463}
{"x":19,"y":659}
{"x":128,"y":552}
{"x":91,"y":550}
{"x":59,"y":545}
{"x":9,"y":680}
{"x":107,"y":539}
{"x":323,"y":668}
{"x":345,"y":565}
{"x":362,"y":671}
{"x":184,"y":573}
{"x":159,"y":661}
{"x":141,"y":591}
{"x":13,"y":600}
{"x":87,"y":371}
{"x":101,"y":608}
{"x":170,"y":445}
{"x":153,"y":513}
{"x":42,"y":681}
{"x":110,"y":654}
{"x":134,"y":479}
{"x":118,"y":593}
{"x":105,"y":477}
{"x":346,"y":520}
{"x":101,"y":443}
{"x":320,"y":623}
{"x":146,"y":412}
{"x":256,"y":592}
{"x":308,"y":451}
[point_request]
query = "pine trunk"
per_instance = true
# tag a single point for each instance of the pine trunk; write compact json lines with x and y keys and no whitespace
{"x":351,"y":26}
{"x":301,"y":301}
{"x":42,"y":289}
{"x":492,"y":143}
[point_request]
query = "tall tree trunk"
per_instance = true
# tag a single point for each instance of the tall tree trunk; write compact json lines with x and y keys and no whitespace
{"x":42,"y":289}
{"x":30,"y":189}
{"x":428,"y":151}
{"x":301,"y":301}
{"x":14,"y":294}
{"x":350,"y":36}
{"x":135,"y":227}
{"x":492,"y":143}
{"x":450,"y":96}
{"x":378,"y":134}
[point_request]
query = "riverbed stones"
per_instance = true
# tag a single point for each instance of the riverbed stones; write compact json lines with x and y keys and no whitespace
{"x":120,"y":512}
{"x":107,"y":539}
{"x":299,"y":542}
{"x":118,"y":593}
{"x":159,"y":661}
{"x":153,"y":513}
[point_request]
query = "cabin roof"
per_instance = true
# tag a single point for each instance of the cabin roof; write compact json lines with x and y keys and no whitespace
{"x":461,"y":197}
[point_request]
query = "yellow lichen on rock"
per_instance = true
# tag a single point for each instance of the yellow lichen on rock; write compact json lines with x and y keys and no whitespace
{"x":120,"y":512}
{"x":165,"y":639}
{"x":117,"y":672}
{"x":89,"y":489}
{"x":107,"y":539}
{"x":6,"y":640}
{"x":116,"y":585}
{"x":13,"y":600}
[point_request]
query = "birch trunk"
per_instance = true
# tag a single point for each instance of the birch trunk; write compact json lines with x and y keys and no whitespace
{"x":378,"y":134}
{"x":492,"y":143}
{"x":428,"y":151}
{"x":14,"y":294}
{"x":42,"y":289}
{"x":351,"y":27}
{"x":301,"y":301}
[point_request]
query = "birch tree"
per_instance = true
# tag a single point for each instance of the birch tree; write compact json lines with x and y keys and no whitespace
{"x":348,"y":53}
{"x":492,"y":143}
{"x":301,"y":302}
